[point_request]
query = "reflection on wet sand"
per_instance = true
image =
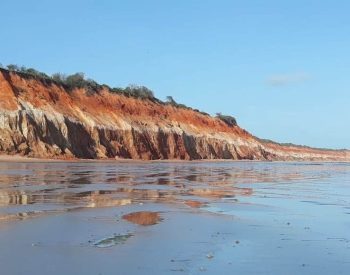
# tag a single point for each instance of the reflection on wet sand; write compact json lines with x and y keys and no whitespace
{"x":19,"y":216}
{"x":25,"y":188}
{"x":189,"y":217}
{"x":220,"y":193}
{"x":195,"y":204}
{"x":103,"y":201}
{"x":143,"y":218}
{"x":13,"y":198}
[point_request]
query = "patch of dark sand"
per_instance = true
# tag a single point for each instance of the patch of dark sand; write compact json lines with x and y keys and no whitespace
{"x":143,"y":218}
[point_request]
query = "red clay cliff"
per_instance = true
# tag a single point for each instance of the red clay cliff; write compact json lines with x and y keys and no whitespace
{"x":42,"y":119}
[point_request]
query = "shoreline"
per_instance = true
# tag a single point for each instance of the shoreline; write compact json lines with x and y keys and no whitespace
{"x":19,"y":158}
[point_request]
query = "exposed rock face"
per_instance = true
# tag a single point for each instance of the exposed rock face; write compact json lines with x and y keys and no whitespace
{"x":41,"y":119}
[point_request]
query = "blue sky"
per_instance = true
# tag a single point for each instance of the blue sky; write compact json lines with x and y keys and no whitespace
{"x":280,"y":67}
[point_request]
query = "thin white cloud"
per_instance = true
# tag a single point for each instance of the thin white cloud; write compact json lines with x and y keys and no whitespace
{"x":287,"y":79}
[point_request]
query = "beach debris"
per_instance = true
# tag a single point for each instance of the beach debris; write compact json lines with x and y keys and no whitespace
{"x":210,"y":256}
{"x":112,"y":241}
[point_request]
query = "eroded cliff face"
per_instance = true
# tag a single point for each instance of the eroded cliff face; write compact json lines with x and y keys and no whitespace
{"x":41,"y":119}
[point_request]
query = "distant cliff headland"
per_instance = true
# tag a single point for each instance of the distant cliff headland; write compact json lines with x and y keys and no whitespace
{"x":70,"y":117}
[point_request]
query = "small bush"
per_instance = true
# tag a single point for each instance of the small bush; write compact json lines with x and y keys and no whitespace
{"x":76,"y":80}
{"x":58,"y":77}
{"x":33,"y":72}
{"x":139,"y":92}
{"x":229,"y":120}
{"x":170,"y":100}
{"x":204,"y":113}
{"x":13,"y":67}
{"x":116,"y":90}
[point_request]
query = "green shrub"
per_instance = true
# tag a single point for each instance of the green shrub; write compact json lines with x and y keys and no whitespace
{"x":33,"y":72}
{"x":170,"y":100}
{"x":116,"y":90}
{"x":13,"y":67}
{"x":76,"y":80}
{"x":204,"y":113}
{"x":58,"y":77}
{"x":139,"y":92}
{"x":229,"y":120}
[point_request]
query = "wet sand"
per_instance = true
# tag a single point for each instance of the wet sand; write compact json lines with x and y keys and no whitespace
{"x":17,"y":158}
{"x":174,"y":218}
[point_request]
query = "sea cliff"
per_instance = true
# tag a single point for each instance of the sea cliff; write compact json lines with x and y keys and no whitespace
{"x":43,"y":119}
